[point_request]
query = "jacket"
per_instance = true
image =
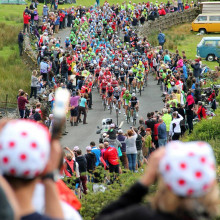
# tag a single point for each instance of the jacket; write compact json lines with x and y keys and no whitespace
{"x":26,"y":18}
{"x":162,"y":133}
{"x":91,"y":159}
{"x":81,"y":160}
{"x":111,"y":155}
{"x":34,"y":81}
{"x":161,"y":38}
{"x":196,"y":69}
{"x":167,"y":118}
{"x":201,"y":113}
{"x":20,"y":38}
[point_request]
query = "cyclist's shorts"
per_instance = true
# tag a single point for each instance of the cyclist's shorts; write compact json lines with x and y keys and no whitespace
{"x":117,"y":97}
{"x":110,"y":94}
{"x":140,"y":79}
{"x":131,"y":80}
{"x":103,"y":90}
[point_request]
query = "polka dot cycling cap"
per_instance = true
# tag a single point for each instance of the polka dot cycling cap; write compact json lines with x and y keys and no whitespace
{"x":24,"y":149}
{"x":188,"y":169}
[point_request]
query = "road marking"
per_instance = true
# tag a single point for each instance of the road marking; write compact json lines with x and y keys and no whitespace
{"x":121,"y":124}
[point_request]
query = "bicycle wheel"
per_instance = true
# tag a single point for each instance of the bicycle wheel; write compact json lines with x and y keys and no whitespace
{"x":140,"y":90}
{"x":110,"y":108}
{"x":134,"y":117}
{"x":117,"y":115}
{"x":104,"y":104}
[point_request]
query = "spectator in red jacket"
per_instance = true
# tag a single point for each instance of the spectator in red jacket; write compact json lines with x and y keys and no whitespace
{"x":162,"y":12}
{"x":26,"y":18}
{"x":111,"y":156}
{"x":212,"y":96}
{"x":22,"y":100}
{"x":201,"y":111}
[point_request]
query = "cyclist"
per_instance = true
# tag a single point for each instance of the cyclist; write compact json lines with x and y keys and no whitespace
{"x":108,"y":79}
{"x":134,"y":69}
{"x":139,"y":78}
{"x":101,"y":78}
{"x":134,"y":104}
{"x":131,"y":80}
{"x":117,"y":98}
{"x":114,"y":82}
{"x":109,"y":93}
{"x":126,"y":100}
{"x":122,"y":77}
{"x":107,"y":73}
{"x":103,"y":87}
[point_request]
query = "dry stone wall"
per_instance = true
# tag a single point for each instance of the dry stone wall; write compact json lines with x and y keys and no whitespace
{"x":167,"y":21}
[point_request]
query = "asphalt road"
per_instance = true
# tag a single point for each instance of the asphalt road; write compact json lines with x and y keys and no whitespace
{"x":82,"y":135}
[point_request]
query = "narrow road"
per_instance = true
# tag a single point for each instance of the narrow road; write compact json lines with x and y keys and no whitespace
{"x":82,"y":135}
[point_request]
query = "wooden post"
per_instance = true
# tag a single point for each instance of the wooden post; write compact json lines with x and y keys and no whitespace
{"x":6,"y":105}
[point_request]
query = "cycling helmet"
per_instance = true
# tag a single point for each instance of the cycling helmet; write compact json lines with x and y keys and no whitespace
{"x":122,"y":69}
{"x":109,"y":84}
{"x":107,"y":68}
{"x":116,"y":88}
{"x":126,"y":92}
{"x":139,"y":70}
{"x":107,"y":77}
{"x":135,"y":65}
{"x":133,"y":95}
{"x":103,"y":81}
{"x":123,"y":89}
{"x":114,"y":78}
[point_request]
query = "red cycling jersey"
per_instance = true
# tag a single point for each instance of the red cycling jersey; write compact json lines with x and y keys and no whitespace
{"x":114,"y":83}
{"x":107,"y":73}
{"x":103,"y":85}
{"x":110,"y":89}
{"x":100,"y":78}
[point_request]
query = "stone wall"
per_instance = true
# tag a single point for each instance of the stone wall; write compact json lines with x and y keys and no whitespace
{"x":29,"y":55}
{"x":167,"y":21}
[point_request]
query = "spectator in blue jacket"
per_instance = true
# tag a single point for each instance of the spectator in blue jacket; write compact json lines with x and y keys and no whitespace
{"x":97,"y":153}
{"x":161,"y":39}
{"x":162,"y":133}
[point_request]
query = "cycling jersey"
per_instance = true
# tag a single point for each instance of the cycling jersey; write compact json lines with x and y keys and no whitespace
{"x":133,"y":102}
{"x":103,"y":85}
{"x":110,"y":89}
{"x":139,"y":77}
{"x":101,"y":78}
{"x":114,"y":83}
{"x":117,"y":95}
{"x":107,"y":73}
{"x":126,"y":98}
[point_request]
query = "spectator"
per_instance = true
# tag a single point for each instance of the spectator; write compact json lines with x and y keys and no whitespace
{"x":121,"y":139}
{"x":131,"y":149}
{"x":111,"y":156}
{"x":22,"y":100}
{"x":161,"y":39}
{"x":139,"y":148}
{"x":91,"y":160}
{"x":20,"y":42}
{"x":126,"y":207}
{"x":24,"y":173}
{"x":175,"y":130}
{"x":34,"y":84}
{"x":26,"y":18}
{"x":81,"y":160}
{"x":162,"y":133}
{"x":96,"y":151}
{"x":201,"y":111}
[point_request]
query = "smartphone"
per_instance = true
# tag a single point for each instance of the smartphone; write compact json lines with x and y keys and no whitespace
{"x":130,"y":127}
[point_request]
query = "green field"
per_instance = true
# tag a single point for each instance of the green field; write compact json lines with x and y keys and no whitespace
{"x":183,"y":39}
